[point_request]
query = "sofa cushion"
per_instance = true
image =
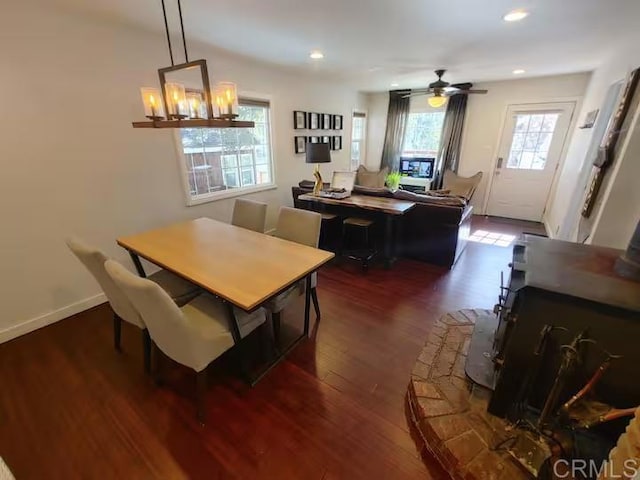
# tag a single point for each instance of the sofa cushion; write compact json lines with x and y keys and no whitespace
{"x":449,"y":200}
{"x":461,"y":186}
{"x":376,"y":191}
{"x":367,"y":178}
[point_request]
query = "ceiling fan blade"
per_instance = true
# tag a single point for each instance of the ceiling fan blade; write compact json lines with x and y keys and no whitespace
{"x":477,"y":91}
{"x":416,"y":94}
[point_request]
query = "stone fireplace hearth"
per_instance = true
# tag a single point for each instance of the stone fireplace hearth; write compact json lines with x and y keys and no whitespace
{"x":448,"y":413}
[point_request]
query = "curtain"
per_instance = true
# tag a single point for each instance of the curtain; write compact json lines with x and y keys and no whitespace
{"x":396,"y":126}
{"x":451,"y":141}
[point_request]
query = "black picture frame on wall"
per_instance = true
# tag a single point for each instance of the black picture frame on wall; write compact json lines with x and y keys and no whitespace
{"x":314,"y":139}
{"x":336,"y":122}
{"x":313,"y":121}
{"x":326,"y":121}
{"x":336,"y":142}
{"x":299,"y":120}
{"x":300,"y":144}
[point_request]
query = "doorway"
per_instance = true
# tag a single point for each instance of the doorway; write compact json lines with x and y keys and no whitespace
{"x":530,"y":148}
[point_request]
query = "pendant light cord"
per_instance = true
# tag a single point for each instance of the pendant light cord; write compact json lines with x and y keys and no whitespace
{"x":184,"y":42}
{"x":166,"y":27}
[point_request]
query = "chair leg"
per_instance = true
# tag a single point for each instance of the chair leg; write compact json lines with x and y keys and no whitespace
{"x":275,"y":320}
{"x":117,"y":331}
{"x":156,"y":364}
{"x":316,"y":305}
{"x":146,"y":350}
{"x":201,"y":390}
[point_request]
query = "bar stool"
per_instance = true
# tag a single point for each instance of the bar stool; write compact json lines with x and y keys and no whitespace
{"x":358,"y":227}
{"x":329,"y":231}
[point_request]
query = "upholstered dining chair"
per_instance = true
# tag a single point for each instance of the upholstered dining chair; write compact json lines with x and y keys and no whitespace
{"x":193,"y":335}
{"x":249,"y":214}
{"x":300,"y":226}
{"x":180,"y":290}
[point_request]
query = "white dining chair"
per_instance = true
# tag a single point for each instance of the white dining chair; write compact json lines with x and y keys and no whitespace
{"x":300,"y":226}
{"x":94,"y":259}
{"x":249,"y":214}
{"x":193,"y":335}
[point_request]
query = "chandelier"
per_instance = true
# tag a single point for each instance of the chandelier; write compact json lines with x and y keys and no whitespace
{"x":185,"y":99}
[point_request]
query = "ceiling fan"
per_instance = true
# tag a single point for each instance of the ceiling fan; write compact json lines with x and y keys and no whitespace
{"x":440,"y":90}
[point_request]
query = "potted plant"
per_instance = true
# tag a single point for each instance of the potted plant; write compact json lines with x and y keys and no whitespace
{"x":393,"y":181}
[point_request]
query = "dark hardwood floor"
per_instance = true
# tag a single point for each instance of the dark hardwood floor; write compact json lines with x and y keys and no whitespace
{"x":71,"y":407}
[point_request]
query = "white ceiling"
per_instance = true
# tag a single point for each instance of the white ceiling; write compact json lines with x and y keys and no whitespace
{"x":373,"y":43}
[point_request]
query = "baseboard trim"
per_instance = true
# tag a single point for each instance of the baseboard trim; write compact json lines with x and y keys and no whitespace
{"x":33,"y":324}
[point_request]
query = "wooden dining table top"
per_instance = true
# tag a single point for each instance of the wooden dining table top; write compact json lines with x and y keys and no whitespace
{"x":242,"y":266}
{"x":368,"y":202}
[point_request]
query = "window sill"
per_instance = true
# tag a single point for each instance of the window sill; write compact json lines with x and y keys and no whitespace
{"x":214,"y":197}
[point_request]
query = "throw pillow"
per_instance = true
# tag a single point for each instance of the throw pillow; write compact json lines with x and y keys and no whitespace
{"x":461,"y":186}
{"x":367,"y":178}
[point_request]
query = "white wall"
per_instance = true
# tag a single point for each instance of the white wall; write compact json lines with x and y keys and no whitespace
{"x":616,"y":220}
{"x":72,"y":163}
{"x":486,"y":115}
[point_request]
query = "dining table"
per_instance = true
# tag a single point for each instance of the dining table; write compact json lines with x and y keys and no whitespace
{"x":243,"y":268}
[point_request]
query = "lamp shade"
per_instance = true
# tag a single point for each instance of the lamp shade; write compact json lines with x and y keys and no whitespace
{"x":318,"y":153}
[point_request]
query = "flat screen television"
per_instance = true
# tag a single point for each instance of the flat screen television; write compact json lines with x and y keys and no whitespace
{"x":417,"y":167}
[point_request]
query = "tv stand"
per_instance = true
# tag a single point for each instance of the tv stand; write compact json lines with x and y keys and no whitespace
{"x":416,"y":185}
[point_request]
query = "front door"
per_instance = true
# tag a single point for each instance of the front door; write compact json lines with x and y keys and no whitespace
{"x":529,"y":152}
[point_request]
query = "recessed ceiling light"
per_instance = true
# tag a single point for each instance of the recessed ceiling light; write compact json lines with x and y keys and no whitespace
{"x":316,"y":55}
{"x":395,"y":84}
{"x":515,"y":16}
{"x":518,"y":71}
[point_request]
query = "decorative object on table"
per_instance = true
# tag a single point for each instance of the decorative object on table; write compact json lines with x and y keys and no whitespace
{"x":326,"y":121}
{"x":590,"y":119}
{"x":393,"y":181}
{"x":318,"y":153}
{"x":325,"y":139}
{"x":185,"y":97}
{"x":628,"y":265}
{"x":300,"y":144}
{"x":336,"y":122}
{"x":607,"y":149}
{"x":299,"y":120}
{"x":314,"y":139}
{"x":313,"y":122}
{"x":336,"y":142}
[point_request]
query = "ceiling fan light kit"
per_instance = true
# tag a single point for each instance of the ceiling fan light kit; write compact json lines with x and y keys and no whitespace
{"x":440,"y":90}
{"x":175,"y":105}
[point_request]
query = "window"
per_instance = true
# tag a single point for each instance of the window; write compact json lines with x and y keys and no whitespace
{"x":217,"y":161}
{"x":423,"y":132}
{"x":358,"y":135}
{"x":531,"y":140}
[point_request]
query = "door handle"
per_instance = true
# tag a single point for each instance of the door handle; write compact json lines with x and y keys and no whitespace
{"x":499,"y":164}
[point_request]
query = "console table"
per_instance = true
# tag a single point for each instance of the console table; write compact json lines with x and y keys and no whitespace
{"x":390,"y":208}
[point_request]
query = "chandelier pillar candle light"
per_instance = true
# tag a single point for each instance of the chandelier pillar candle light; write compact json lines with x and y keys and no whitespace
{"x":152,"y":101}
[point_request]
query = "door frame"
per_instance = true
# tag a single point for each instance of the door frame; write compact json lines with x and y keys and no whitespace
{"x":577,"y":101}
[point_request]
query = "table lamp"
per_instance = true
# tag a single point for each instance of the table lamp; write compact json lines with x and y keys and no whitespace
{"x":318,"y":153}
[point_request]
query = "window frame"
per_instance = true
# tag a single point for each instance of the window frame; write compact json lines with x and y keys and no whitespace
{"x":191,"y":200}
{"x":417,"y":108}
{"x":362,"y":142}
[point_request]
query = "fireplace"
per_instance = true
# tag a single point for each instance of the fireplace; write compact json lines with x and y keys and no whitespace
{"x":561,"y":355}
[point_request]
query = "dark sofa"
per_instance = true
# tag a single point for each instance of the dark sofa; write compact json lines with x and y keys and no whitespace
{"x":435,"y":231}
